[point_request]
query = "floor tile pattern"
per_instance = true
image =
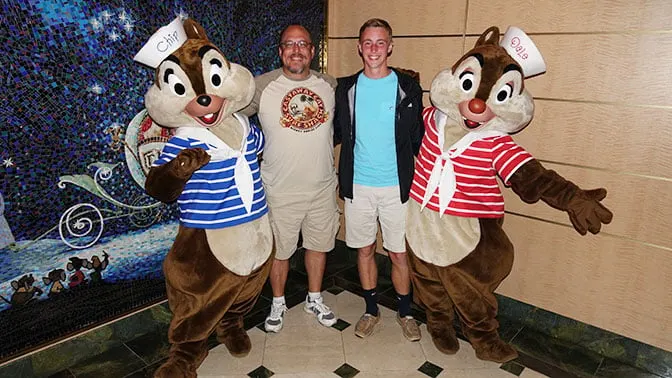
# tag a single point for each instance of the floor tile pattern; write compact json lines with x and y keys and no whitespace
{"x":305,"y":348}
{"x":549,"y":345}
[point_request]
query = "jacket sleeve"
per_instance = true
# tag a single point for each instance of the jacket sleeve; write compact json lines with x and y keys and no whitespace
{"x":417,"y":127}
{"x":339,"y":96}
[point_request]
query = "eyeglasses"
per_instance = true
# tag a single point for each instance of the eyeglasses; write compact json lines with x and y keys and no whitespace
{"x":300,"y":44}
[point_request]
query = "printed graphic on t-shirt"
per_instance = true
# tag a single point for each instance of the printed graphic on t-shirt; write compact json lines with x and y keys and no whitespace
{"x":302,"y":110}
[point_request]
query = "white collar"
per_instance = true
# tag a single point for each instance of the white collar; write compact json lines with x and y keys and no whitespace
{"x":461,"y":145}
{"x":443,"y":176}
{"x":218,"y":149}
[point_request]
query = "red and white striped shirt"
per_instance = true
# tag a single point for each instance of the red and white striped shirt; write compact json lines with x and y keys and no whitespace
{"x":477,"y":194}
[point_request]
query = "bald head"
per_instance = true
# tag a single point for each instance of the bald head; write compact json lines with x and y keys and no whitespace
{"x":294,"y":28}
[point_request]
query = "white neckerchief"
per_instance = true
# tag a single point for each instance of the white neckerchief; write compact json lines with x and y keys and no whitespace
{"x":219,"y":151}
{"x":443,"y":176}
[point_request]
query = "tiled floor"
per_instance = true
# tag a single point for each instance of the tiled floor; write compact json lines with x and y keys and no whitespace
{"x":135,"y":346}
{"x":306,"y":349}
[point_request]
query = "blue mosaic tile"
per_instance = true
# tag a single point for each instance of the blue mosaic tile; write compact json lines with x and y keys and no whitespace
{"x":71,"y":93}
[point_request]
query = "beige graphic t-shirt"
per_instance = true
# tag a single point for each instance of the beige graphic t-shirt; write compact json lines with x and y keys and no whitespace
{"x":297,"y":120}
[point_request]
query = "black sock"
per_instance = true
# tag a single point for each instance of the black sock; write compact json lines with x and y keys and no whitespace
{"x":404,"y":304}
{"x":371,"y":298}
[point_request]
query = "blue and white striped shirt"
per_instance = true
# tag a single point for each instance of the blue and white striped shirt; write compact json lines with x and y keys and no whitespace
{"x":210,"y":198}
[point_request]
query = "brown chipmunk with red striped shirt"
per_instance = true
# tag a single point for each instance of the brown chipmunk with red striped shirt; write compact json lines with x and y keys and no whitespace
{"x":458,"y":251}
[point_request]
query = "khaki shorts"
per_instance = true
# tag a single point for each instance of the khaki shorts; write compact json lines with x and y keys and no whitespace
{"x":368,"y":205}
{"x":316,"y":217}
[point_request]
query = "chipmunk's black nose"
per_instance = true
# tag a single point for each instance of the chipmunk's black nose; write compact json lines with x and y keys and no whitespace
{"x":204,"y":100}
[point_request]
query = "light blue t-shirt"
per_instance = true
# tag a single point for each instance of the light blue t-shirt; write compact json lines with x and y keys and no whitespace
{"x":375,"y":148}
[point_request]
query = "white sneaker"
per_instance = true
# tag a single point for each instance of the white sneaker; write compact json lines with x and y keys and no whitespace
{"x":323,"y":313}
{"x":273,"y":322}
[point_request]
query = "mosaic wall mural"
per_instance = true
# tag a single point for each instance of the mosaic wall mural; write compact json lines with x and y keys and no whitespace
{"x":80,"y":241}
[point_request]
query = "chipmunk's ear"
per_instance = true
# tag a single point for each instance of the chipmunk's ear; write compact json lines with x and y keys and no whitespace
{"x":194,"y":30}
{"x":489,"y":37}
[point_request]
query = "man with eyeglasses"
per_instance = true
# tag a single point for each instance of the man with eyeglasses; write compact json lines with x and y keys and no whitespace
{"x":295,"y":106}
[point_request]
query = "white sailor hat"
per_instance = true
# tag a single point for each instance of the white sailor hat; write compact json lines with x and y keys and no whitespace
{"x":523,"y":51}
{"x":162,"y":43}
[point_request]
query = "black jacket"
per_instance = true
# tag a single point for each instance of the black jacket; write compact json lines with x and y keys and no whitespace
{"x":408,"y":126}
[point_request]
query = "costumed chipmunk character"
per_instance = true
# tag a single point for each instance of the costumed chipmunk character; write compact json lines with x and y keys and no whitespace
{"x":458,"y":251}
{"x":220,"y":259}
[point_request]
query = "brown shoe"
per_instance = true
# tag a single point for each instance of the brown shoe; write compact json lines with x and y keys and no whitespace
{"x":366,"y":324}
{"x":409,"y":327}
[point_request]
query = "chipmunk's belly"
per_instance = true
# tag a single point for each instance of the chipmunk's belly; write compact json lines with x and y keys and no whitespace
{"x":243,"y":248}
{"x":441,"y":241}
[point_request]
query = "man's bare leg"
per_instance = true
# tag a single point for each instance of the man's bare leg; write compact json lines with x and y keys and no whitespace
{"x":278,"y":277}
{"x":401,"y":279}
{"x":366,"y":264}
{"x":315,"y":263}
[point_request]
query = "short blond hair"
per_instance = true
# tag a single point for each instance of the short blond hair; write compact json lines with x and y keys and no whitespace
{"x":375,"y":23}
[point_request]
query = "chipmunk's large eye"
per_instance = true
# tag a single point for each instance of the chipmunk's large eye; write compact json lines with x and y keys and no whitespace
{"x":216,"y":74}
{"x":176,"y":85}
{"x":504,"y":93}
{"x":466,"y":81}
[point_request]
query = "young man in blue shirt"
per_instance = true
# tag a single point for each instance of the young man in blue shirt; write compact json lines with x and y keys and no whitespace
{"x":376,"y":166}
